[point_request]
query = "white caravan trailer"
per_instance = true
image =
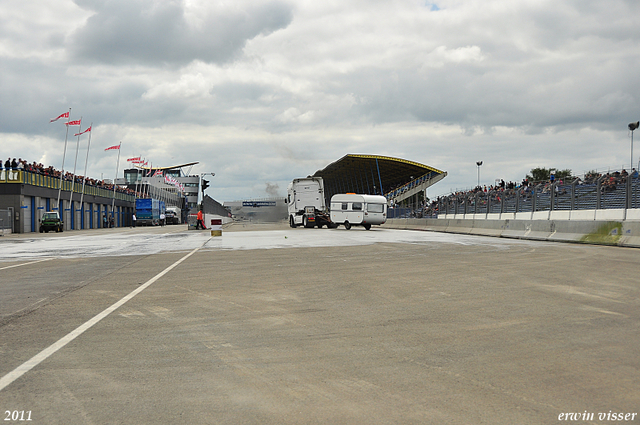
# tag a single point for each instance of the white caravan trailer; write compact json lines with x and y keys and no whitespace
{"x":358,"y":210}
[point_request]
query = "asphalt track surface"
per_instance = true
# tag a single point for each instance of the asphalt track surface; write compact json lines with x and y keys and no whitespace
{"x":164,"y":326}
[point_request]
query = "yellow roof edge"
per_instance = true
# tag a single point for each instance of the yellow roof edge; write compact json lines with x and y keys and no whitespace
{"x":390,"y":158}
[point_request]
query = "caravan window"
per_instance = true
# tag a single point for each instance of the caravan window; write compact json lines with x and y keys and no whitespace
{"x":375,"y":208}
{"x":357,"y":206}
{"x":344,"y":206}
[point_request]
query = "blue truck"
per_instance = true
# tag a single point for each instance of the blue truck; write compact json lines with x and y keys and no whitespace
{"x":148,"y":212}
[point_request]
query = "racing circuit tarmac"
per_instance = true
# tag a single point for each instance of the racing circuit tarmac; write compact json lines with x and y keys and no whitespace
{"x":272,"y":325}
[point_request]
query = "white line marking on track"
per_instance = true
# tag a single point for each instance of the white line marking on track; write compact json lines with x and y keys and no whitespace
{"x":24,"y":264}
{"x":44,"y":354}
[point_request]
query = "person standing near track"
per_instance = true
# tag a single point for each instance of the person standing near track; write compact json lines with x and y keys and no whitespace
{"x":200,"y":222}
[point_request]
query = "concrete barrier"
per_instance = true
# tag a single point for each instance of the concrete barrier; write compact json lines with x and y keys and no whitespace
{"x":459,"y":225}
{"x":630,"y":234}
{"x":601,"y":232}
{"x":487,"y":227}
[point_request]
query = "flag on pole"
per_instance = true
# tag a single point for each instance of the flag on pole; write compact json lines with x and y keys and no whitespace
{"x":65,"y":115}
{"x":82,"y":132}
{"x":136,"y":160}
{"x":113,"y":147}
{"x":76,"y":122}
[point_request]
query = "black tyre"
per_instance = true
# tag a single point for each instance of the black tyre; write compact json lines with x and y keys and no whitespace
{"x":347,"y":225}
{"x":41,"y":229}
{"x":367,"y":226}
{"x":292,"y":223}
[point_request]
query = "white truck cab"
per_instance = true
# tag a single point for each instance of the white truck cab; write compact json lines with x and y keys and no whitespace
{"x":351,"y":209}
{"x":306,"y":205}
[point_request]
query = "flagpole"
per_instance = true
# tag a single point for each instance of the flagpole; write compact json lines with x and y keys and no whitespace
{"x":113,"y":202}
{"x":137,"y":169}
{"x":84,"y":176}
{"x":73,"y":177}
{"x":64,"y":153}
{"x":148,"y":187}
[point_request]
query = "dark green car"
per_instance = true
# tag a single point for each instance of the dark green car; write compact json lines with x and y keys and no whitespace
{"x":51,"y":221}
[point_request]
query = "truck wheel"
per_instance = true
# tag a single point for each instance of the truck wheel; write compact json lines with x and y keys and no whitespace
{"x":305,"y":222}
{"x":367,"y":226}
{"x":347,"y":225}
{"x":292,"y":222}
{"x":41,"y":229}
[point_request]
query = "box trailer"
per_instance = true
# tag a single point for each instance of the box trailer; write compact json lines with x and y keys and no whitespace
{"x":148,"y":211}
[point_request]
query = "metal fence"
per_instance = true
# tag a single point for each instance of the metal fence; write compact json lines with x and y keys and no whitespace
{"x":35,"y":179}
{"x":605,"y":192}
{"x":6,"y":222}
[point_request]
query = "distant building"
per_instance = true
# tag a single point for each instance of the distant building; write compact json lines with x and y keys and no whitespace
{"x":153,"y":181}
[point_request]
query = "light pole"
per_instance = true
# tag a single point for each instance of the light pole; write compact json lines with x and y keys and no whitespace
{"x":633,"y":126}
{"x":479,"y":163}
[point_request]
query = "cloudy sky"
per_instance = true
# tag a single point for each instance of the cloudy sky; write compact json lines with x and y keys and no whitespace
{"x":261,"y":92}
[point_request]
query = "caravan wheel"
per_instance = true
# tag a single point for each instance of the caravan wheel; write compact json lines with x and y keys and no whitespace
{"x":347,"y":225}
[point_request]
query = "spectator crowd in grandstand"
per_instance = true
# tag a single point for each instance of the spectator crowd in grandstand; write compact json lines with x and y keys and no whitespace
{"x":39,"y":168}
{"x":609,"y":182}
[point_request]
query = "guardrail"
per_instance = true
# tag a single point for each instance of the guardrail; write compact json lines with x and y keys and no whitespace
{"x":40,"y":180}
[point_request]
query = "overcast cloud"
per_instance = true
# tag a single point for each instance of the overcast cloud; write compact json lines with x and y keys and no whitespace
{"x":261,"y":92}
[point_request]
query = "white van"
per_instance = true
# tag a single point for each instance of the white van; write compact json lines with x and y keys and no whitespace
{"x":358,"y":210}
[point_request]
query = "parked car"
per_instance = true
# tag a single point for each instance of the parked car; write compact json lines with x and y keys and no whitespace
{"x":51,"y":221}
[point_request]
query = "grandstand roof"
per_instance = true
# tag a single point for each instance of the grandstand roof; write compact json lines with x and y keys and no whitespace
{"x":166,"y":168}
{"x":367,"y":173}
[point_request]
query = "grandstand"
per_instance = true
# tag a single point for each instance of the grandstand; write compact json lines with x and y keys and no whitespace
{"x":396,"y":179}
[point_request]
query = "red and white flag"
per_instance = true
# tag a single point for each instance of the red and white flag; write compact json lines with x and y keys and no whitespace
{"x":135,"y":160}
{"x":157,"y":173}
{"x":76,"y":122}
{"x":65,"y":115}
{"x":112,"y":147}
{"x":82,"y":132}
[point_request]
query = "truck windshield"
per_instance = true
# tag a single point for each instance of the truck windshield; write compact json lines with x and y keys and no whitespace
{"x":375,"y":208}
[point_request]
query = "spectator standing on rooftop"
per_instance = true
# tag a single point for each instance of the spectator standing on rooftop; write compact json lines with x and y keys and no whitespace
{"x":7,"y":164}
